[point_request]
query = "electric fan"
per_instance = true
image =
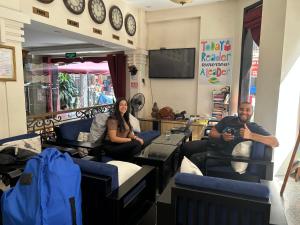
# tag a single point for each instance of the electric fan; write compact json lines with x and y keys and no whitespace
{"x":137,"y":103}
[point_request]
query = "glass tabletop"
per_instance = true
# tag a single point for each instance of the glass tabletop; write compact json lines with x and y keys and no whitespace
{"x":157,"y":151}
{"x":170,"y":139}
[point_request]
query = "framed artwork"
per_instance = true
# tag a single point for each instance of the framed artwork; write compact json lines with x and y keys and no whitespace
{"x":7,"y":63}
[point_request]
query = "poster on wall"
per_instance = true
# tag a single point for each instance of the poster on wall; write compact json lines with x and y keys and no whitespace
{"x":215,"y":61}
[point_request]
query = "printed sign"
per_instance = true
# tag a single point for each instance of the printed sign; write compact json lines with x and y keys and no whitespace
{"x":215,"y":61}
{"x":134,"y":84}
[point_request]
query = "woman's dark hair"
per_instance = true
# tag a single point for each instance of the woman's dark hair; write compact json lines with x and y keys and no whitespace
{"x":117,"y":115}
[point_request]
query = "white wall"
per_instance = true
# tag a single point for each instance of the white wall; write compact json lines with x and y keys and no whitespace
{"x":288,"y":116}
{"x":180,"y":94}
{"x":58,"y":15}
{"x":218,"y":20}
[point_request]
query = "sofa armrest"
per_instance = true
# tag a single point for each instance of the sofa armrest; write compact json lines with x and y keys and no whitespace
{"x":213,"y":155}
{"x":146,"y":173}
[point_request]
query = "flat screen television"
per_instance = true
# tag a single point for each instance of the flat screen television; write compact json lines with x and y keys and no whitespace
{"x":172,"y":63}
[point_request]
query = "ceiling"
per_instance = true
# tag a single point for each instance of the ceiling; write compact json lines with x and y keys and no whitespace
{"x":151,"y":5}
{"x":42,"y":39}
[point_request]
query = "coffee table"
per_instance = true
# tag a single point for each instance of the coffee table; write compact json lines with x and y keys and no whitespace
{"x":163,"y":158}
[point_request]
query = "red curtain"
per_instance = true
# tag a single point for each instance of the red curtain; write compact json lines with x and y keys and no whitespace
{"x":117,"y":67}
{"x":252,"y":21}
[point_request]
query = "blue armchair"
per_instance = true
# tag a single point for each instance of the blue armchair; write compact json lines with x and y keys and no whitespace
{"x":105,"y":202}
{"x":206,"y":200}
{"x":260,"y":164}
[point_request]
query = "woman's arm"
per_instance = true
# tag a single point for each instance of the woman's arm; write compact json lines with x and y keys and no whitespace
{"x":134,"y":137}
{"x":114,"y":138}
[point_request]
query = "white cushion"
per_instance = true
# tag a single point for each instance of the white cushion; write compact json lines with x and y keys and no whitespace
{"x":125,"y":170}
{"x":98,"y":127}
{"x":83,"y":136}
{"x":30,"y":144}
{"x":241,"y":149}
{"x":135,"y":123}
{"x":188,"y":167}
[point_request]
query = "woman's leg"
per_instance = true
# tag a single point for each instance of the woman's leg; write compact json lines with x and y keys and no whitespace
{"x":122,"y":151}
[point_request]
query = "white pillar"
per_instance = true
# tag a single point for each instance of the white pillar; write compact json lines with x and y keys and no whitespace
{"x":12,"y":98}
{"x":139,"y":83}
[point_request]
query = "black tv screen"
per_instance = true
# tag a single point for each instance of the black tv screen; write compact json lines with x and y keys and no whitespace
{"x":172,"y":63}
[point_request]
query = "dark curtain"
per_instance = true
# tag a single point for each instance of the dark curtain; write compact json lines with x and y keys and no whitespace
{"x":117,"y":67}
{"x":252,"y":22}
{"x":246,"y":65}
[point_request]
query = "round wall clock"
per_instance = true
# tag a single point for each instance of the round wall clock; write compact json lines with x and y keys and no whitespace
{"x":130,"y":24}
{"x":97,"y":10}
{"x":46,"y":1}
{"x":75,"y":6}
{"x":116,"y":17}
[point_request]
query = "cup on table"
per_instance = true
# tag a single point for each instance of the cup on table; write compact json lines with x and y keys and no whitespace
{"x":168,"y":134}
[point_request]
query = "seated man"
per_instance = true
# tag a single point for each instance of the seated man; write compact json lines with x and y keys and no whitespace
{"x":230,"y":131}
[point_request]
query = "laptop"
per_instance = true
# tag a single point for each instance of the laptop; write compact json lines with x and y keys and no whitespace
{"x":182,"y":129}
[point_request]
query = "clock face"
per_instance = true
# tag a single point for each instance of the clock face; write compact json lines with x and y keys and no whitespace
{"x":97,"y":10}
{"x":75,"y":6}
{"x":116,"y":17}
{"x":46,"y":1}
{"x":130,"y":25}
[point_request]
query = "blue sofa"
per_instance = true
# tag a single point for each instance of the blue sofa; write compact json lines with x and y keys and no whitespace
{"x":200,"y":200}
{"x":67,"y":133}
{"x":104,"y":202}
{"x":10,"y":174}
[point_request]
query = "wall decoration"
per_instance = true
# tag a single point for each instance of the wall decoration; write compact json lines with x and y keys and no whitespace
{"x":130,"y":24}
{"x":75,"y":6}
{"x":7,"y":63}
{"x":215,"y":65}
{"x":46,"y":1}
{"x":116,"y":17}
{"x":97,"y":11}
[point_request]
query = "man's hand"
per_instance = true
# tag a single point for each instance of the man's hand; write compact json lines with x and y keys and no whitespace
{"x":246,"y":133}
{"x":227,"y":136}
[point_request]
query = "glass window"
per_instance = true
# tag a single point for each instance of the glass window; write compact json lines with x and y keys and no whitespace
{"x":60,"y":86}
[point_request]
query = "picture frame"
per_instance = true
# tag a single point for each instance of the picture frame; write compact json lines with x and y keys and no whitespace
{"x":7,"y":63}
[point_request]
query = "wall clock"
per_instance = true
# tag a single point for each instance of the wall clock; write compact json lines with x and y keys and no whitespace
{"x":75,"y":6}
{"x":97,"y":10}
{"x":116,"y":17}
{"x":130,"y":24}
{"x":46,"y":1}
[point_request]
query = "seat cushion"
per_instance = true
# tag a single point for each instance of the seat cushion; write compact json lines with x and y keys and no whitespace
{"x":101,"y":169}
{"x":234,"y":187}
{"x":71,"y":130}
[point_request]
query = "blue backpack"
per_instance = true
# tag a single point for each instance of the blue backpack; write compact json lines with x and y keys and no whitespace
{"x":47,"y":193}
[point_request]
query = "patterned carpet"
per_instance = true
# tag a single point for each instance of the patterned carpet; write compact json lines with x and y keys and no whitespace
{"x":290,"y":199}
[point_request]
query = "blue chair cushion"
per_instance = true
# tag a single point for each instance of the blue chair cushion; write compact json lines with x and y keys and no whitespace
{"x":18,"y":137}
{"x":148,"y":136}
{"x":71,"y":130}
{"x":234,"y":187}
{"x":98,"y":168}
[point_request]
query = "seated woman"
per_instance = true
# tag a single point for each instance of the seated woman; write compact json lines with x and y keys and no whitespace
{"x":120,"y":141}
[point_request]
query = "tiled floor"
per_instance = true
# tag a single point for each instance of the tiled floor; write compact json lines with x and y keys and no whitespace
{"x":290,"y":199}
